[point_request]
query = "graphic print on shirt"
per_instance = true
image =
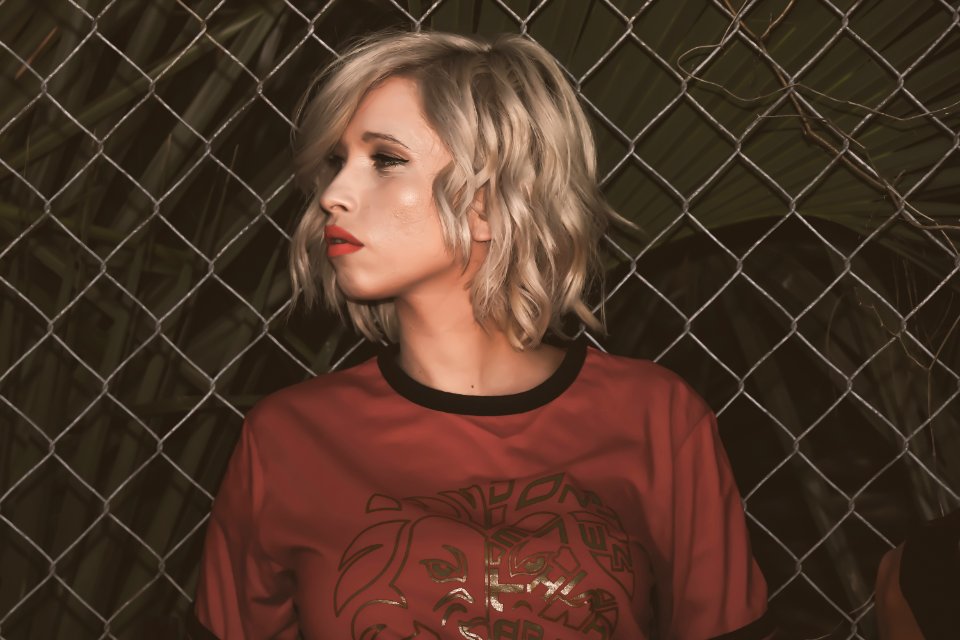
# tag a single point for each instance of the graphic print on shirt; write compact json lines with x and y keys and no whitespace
{"x":531,"y":559}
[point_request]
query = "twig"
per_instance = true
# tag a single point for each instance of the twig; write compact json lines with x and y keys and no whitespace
{"x":776,"y":21}
{"x":35,"y":53}
{"x":907,"y":211}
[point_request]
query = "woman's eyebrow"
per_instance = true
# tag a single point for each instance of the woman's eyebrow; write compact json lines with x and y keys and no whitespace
{"x":367,"y":135}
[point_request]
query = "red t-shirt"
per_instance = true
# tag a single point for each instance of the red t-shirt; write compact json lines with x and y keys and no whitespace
{"x":363,"y":504}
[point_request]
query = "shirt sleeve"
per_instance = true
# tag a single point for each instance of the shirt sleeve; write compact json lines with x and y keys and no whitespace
{"x":241,"y":592}
{"x":716,"y":589}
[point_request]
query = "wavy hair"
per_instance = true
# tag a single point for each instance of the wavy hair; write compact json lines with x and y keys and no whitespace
{"x":516,"y":131}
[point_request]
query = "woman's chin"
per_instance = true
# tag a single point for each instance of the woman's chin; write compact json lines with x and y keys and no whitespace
{"x":363,"y":295}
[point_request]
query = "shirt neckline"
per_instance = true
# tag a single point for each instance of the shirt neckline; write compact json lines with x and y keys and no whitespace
{"x":496,"y":405}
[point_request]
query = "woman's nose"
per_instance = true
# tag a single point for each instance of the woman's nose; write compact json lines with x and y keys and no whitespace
{"x":340,"y":193}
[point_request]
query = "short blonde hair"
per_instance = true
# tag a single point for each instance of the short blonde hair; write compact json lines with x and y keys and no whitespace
{"x":515,"y":129}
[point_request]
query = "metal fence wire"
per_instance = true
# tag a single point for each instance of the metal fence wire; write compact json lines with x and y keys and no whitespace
{"x":133,"y":333}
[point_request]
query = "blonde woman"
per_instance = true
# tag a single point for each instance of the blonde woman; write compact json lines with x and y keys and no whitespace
{"x":472,"y":480}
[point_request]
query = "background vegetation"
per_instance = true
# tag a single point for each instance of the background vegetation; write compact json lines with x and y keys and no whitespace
{"x":794,"y":166}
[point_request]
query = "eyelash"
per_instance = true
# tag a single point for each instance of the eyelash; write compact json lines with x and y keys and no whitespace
{"x":387,"y":161}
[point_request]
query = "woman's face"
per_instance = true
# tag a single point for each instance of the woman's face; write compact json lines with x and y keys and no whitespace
{"x":384,"y":166}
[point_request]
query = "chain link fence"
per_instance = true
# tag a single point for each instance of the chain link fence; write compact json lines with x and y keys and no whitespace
{"x":808,"y":131}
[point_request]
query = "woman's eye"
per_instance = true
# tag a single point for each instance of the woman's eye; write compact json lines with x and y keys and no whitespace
{"x":380,"y":160}
{"x":383,"y":160}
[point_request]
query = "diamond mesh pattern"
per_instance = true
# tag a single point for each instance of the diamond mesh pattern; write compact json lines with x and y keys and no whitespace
{"x":697,"y":133}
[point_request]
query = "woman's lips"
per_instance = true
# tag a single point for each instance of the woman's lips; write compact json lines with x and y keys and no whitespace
{"x":339,"y":249}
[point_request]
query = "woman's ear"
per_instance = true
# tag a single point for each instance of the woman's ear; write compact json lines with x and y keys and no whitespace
{"x":477,"y":217}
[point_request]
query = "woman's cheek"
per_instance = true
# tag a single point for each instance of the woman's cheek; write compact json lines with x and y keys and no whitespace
{"x":413,"y":203}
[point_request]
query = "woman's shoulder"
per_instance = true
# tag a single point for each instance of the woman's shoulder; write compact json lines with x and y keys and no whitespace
{"x":645,"y":376}
{"x":313,"y":395}
{"x":636,"y":366}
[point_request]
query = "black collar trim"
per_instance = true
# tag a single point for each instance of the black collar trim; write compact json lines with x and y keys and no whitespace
{"x":448,"y":402}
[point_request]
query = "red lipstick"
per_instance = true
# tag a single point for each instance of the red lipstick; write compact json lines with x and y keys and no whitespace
{"x":339,"y":241}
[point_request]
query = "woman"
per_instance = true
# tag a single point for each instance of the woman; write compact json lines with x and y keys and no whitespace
{"x":471,"y":480}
